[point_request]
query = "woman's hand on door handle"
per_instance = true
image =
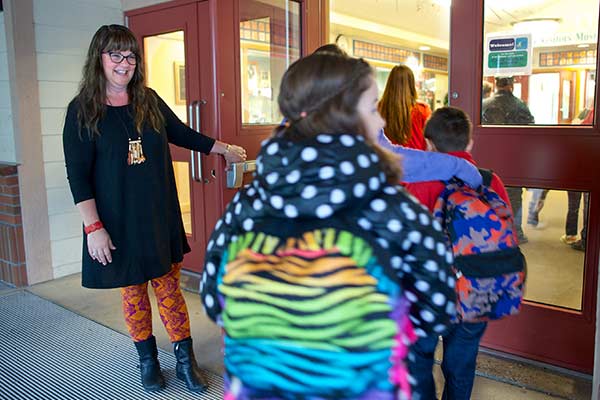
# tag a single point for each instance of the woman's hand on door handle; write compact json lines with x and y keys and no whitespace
{"x":230,"y":152}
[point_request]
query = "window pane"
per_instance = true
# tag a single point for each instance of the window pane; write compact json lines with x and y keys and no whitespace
{"x":269,"y":43}
{"x":552,"y":226}
{"x":540,"y":60}
{"x":182,"y":182}
{"x":415,"y":34}
{"x":165,"y":72}
{"x":165,"y":69}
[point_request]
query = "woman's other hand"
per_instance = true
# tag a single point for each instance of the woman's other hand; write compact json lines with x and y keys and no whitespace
{"x":100,"y":246}
{"x":234,"y":154}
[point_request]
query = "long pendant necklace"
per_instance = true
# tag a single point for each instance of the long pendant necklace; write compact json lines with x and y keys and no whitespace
{"x":135,"y":155}
{"x":136,"y":152}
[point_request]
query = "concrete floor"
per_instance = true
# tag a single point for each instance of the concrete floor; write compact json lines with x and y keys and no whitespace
{"x":103,"y":306}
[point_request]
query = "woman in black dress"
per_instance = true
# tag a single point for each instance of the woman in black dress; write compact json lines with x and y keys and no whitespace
{"x":116,"y":143}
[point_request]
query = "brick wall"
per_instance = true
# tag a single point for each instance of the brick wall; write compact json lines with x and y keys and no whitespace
{"x":12,"y":249}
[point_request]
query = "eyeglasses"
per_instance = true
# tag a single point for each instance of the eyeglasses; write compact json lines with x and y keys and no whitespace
{"x":118,"y":58}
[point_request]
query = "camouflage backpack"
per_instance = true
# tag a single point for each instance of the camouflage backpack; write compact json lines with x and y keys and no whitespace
{"x":489,"y":264}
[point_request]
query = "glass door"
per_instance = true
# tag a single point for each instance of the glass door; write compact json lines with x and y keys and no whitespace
{"x":173,"y":39}
{"x":538,"y":131}
{"x":266,"y":37}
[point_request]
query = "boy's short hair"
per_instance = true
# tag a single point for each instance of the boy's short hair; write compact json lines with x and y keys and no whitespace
{"x":449,"y":129}
{"x":504,"y":81}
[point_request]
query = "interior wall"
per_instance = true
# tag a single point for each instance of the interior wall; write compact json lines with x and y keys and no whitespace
{"x":133,"y":4}
{"x":7,"y":139}
{"x":24,"y":103}
{"x":61,"y":43}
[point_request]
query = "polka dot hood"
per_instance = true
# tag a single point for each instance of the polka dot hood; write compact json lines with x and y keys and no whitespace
{"x":317,"y":177}
{"x":336,"y":181}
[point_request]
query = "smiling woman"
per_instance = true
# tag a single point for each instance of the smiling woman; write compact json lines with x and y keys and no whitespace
{"x":118,"y":75}
{"x":116,"y":143}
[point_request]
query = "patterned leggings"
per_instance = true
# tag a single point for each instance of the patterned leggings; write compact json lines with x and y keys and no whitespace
{"x":171,"y":306}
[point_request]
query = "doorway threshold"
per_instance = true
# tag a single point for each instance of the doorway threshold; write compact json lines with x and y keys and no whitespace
{"x":533,"y":375}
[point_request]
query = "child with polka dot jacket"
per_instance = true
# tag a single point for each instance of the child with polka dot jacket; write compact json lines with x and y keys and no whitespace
{"x":323,"y":270}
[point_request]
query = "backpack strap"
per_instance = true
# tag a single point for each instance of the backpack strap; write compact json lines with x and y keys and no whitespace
{"x":487,"y":175}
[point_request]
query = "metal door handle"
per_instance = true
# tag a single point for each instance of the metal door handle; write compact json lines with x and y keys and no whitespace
{"x":198,"y":178}
{"x":235,"y":175}
{"x":190,"y":115}
{"x":191,"y":125}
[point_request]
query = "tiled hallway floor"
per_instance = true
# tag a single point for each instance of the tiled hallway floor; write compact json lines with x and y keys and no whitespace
{"x":497,"y":378}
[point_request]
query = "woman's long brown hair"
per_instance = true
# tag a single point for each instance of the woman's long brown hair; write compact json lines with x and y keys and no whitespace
{"x":397,"y":102}
{"x":92,"y":89}
{"x":319,"y":94}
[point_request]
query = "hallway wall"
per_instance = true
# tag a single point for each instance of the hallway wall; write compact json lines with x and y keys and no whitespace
{"x":63,"y":31}
{"x":133,"y":4}
{"x":7,"y":139}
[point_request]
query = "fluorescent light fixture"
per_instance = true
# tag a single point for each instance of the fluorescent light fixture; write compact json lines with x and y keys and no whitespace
{"x":536,"y":25}
{"x":424,"y":48}
{"x":583,"y":46}
{"x":444,"y":3}
{"x":414,"y":65}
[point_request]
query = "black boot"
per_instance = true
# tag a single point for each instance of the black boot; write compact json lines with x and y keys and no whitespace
{"x":152,"y":377}
{"x":187,"y":369}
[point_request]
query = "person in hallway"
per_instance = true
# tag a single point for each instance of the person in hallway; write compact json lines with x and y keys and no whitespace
{"x":536,"y":204}
{"x":404,"y":116}
{"x":116,"y":143}
{"x":574,"y":202}
{"x":503,"y":108}
{"x":448,"y":130}
{"x":323,"y":270}
{"x":486,"y":90}
{"x":570,"y":236}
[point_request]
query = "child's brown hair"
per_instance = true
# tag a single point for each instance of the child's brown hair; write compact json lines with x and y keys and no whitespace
{"x":320,"y":93}
{"x":449,"y":129}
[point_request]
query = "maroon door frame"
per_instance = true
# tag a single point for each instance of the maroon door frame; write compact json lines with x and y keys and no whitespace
{"x":193,"y":18}
{"x":562,"y":157}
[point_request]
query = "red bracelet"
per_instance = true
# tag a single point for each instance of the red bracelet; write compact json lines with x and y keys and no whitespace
{"x":93,"y":227}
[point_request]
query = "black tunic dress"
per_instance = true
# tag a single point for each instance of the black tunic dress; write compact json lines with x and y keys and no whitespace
{"x":137,"y":204}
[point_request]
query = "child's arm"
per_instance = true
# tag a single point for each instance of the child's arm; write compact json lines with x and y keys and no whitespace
{"x":214,"y":260}
{"x":419,"y":166}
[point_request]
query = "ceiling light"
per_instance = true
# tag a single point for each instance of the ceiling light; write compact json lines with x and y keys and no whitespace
{"x":414,"y":65}
{"x":536,"y":25}
{"x":424,"y":48}
{"x":444,"y":3}
{"x":583,"y":46}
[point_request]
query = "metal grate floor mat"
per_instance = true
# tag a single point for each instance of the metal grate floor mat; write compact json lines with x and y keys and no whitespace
{"x":48,"y":353}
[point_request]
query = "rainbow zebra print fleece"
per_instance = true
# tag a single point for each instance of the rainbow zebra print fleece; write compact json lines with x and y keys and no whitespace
{"x":311,"y":317}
